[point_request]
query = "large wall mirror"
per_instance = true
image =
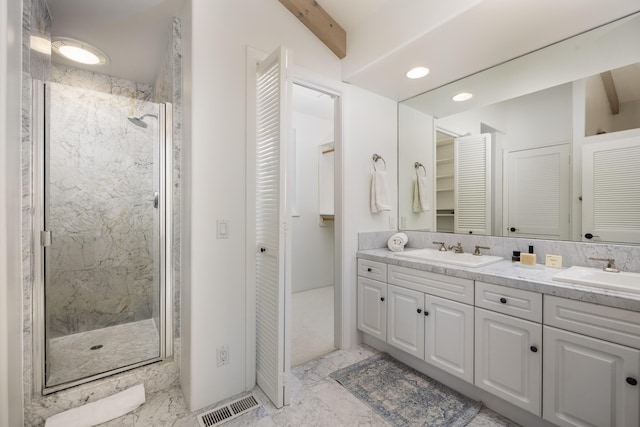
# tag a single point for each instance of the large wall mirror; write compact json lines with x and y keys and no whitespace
{"x":547,"y":147}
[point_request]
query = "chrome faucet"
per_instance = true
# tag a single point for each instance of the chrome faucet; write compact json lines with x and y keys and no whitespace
{"x":611,"y":264}
{"x":456,"y":249}
{"x":442,"y":247}
{"x":477,"y":251}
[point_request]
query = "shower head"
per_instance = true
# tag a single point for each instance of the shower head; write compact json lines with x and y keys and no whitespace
{"x":139,"y":121}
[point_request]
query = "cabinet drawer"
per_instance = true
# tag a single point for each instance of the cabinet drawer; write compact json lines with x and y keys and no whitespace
{"x":607,"y":323}
{"x":372,"y":269}
{"x":514,"y":302}
{"x":452,"y":288}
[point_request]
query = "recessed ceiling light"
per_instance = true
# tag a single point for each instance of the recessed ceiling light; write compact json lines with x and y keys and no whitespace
{"x":463,"y":96}
{"x":40,"y":44}
{"x":417,"y":72}
{"x":78,"y":51}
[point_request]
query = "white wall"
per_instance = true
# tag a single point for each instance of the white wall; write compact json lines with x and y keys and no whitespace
{"x":370,"y":127}
{"x":214,"y":158}
{"x":312,"y":244}
{"x":416,"y":135}
{"x":11,"y":404}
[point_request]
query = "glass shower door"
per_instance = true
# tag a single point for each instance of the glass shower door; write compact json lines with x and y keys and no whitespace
{"x":103,"y":292}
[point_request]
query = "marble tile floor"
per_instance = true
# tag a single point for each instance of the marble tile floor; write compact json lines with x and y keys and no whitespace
{"x":70,"y":357}
{"x":316,"y":400}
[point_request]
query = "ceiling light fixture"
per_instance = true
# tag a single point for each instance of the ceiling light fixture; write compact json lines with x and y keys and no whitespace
{"x":417,"y":72}
{"x":78,"y":51}
{"x":463,"y":96}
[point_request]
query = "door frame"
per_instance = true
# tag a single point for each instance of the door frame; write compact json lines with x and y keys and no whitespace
{"x":342,"y":311}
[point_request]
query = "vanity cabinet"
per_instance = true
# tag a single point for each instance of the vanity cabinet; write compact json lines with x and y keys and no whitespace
{"x":448,"y":336}
{"x":372,"y":298}
{"x":430,"y":317}
{"x":508,"y":344}
{"x":405,"y":327}
{"x":591,"y":380}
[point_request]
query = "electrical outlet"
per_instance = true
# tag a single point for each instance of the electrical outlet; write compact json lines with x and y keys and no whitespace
{"x":223,"y":355}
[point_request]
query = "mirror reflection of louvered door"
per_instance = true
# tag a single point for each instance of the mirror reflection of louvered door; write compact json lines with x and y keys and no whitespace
{"x":472,"y":184}
{"x":272,"y":279}
{"x":537,"y":189}
{"x":611,"y":191}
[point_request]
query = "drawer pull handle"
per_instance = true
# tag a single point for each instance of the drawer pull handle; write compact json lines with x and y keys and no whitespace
{"x":534,"y":349}
{"x":632,"y":381}
{"x":503,"y":300}
{"x":382,"y":299}
{"x":419,"y":311}
{"x":369,"y":269}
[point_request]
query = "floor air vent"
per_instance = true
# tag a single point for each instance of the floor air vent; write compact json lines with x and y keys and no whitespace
{"x":228,"y":412}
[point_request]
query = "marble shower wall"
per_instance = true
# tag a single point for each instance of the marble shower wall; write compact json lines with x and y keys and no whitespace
{"x":168,"y":88}
{"x":101,"y":214}
{"x":36,"y":21}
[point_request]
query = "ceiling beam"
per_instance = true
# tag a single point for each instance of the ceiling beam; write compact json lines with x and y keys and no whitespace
{"x":314,"y":17}
{"x":610,"y":89}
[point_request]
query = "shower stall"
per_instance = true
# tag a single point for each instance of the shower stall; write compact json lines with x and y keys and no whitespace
{"x":102,"y":302}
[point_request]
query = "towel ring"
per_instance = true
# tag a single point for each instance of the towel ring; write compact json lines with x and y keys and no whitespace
{"x":377,"y":157}
{"x":419,"y":165}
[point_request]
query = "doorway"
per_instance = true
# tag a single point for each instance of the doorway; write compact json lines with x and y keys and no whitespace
{"x":313,"y":234}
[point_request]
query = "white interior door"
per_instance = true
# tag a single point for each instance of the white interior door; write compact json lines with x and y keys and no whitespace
{"x":537,"y":189}
{"x":610,"y":191}
{"x":272,"y":238}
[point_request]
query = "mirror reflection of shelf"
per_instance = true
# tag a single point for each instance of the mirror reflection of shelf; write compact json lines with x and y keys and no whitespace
{"x":444,"y":183}
{"x":325,"y":183}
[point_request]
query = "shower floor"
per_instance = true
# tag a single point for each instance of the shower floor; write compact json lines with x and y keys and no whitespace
{"x":71,"y":358}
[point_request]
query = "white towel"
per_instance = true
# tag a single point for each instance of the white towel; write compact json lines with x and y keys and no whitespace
{"x":379,"y":192}
{"x":420,"y":199}
{"x":397,"y":241}
{"x":100,"y":411}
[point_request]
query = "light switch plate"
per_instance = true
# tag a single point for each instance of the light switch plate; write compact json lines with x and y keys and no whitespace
{"x":222,"y":229}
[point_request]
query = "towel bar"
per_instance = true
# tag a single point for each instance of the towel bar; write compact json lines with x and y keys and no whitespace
{"x":377,"y":157}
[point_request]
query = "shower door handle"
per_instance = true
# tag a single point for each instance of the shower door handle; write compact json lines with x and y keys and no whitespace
{"x":156,"y":199}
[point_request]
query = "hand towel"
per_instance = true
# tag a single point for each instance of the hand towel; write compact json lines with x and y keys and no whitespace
{"x":379,"y":192}
{"x":100,"y":411}
{"x":420,"y":192}
{"x":397,"y":241}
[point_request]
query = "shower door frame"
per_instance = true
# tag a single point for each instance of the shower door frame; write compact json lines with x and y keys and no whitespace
{"x":39,"y":266}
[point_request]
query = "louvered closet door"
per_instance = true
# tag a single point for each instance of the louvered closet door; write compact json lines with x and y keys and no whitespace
{"x":472,"y":184}
{"x":611,"y":191}
{"x":538,"y":192}
{"x":272,"y":361}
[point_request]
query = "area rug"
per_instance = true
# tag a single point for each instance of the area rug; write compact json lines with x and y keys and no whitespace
{"x":404,"y":396}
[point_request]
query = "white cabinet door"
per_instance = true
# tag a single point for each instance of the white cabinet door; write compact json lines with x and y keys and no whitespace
{"x":449,"y":336}
{"x":508,"y":360}
{"x":405,"y":320}
{"x":372,"y":307}
{"x":589,"y":382}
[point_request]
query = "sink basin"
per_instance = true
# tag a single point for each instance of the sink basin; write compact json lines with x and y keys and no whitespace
{"x":623,"y":281}
{"x":449,"y":257}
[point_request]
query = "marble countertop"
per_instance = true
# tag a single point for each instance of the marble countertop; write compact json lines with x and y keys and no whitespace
{"x":513,"y":275}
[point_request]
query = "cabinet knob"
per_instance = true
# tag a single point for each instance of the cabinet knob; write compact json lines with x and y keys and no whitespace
{"x":632,"y":381}
{"x":382,"y":299}
{"x":419,"y":310}
{"x":426,"y":313}
{"x":503,"y":300}
{"x":369,"y":269}
{"x":534,"y":349}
